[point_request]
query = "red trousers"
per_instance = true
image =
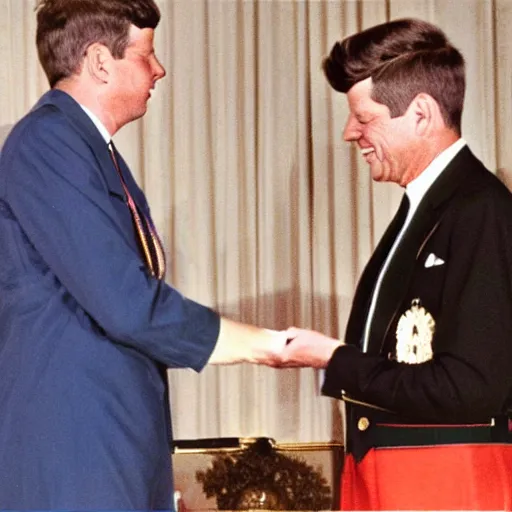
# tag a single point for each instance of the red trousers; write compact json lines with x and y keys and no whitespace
{"x":445,"y":477}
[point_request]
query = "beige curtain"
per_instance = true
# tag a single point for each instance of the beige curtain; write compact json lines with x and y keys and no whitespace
{"x":266,"y":214}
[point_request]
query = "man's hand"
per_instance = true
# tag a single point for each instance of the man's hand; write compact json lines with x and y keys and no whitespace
{"x":308,"y":349}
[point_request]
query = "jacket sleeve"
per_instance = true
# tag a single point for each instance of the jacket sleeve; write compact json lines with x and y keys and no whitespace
{"x":55,"y":190}
{"x":469,"y":378}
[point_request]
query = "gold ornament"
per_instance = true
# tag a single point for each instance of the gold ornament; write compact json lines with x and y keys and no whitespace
{"x":254,"y":499}
{"x":414,"y":335}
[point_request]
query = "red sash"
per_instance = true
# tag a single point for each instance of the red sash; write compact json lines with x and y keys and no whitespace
{"x":445,"y":477}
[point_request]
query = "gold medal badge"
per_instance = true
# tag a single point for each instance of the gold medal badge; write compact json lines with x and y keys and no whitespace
{"x":414,"y":335}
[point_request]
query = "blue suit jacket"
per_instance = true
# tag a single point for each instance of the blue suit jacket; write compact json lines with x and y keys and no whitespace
{"x":84,"y":330}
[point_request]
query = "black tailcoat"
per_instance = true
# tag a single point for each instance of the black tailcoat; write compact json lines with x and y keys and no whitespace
{"x":465,"y":220}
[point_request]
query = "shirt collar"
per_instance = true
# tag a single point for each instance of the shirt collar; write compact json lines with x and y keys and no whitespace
{"x":418,"y":187}
{"x":99,"y":125}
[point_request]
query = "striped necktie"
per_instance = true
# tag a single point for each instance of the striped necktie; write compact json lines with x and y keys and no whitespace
{"x":146,"y":232}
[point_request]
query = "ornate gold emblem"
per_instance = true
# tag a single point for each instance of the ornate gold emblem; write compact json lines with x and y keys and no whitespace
{"x":414,"y":335}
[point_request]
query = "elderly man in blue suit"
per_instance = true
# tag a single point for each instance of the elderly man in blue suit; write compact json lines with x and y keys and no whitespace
{"x":87,"y":323}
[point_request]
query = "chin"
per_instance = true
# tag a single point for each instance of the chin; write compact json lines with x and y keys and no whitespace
{"x":138,"y":114}
{"x":378,"y":176}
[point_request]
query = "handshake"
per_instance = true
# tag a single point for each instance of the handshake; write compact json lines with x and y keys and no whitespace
{"x":296,"y":347}
{"x":291,"y":348}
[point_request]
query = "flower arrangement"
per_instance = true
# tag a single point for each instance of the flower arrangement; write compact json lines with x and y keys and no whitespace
{"x":259,"y":477}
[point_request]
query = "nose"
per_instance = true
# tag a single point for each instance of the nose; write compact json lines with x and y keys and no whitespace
{"x":352,"y":131}
{"x":158,"y":70}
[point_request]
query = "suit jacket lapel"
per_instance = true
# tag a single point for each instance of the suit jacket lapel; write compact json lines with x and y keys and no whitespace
{"x":397,"y":277}
{"x":364,"y":290}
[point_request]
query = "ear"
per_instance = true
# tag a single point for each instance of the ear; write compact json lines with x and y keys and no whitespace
{"x":97,"y":62}
{"x":426,"y":114}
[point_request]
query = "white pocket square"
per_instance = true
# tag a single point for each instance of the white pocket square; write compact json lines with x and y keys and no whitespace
{"x":433,"y":261}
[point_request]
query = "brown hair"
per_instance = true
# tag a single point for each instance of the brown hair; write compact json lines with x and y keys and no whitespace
{"x":403,"y":57}
{"x":66,"y":28}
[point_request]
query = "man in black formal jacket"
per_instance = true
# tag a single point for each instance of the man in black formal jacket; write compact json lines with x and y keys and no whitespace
{"x":425,"y":368}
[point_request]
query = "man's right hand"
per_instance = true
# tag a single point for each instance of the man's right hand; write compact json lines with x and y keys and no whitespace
{"x":307,"y":348}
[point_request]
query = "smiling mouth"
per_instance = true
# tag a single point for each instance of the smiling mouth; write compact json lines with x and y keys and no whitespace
{"x":367,"y":151}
